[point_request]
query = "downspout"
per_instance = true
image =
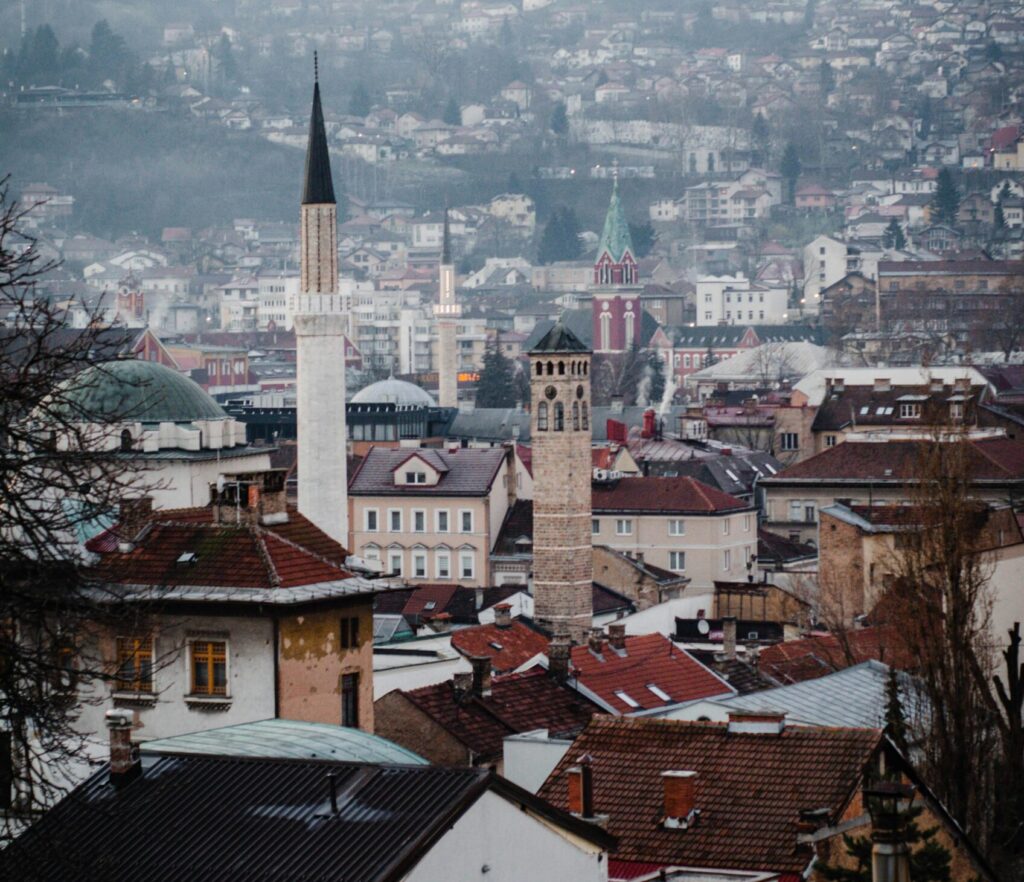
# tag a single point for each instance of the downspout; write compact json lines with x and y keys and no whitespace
{"x":277,"y":678}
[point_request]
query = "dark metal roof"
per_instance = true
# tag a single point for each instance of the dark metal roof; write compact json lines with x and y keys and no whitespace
{"x":559,"y":339}
{"x":318,"y":188}
{"x":268,"y":819}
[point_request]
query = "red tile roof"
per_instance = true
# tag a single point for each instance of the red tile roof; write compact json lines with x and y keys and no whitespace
{"x":819,"y":654}
{"x":231,"y":556}
{"x":650,"y":660}
{"x":663,"y":495}
{"x":988,"y":460}
{"x":750,"y":789}
{"x":517,"y":703}
{"x":507,"y":648}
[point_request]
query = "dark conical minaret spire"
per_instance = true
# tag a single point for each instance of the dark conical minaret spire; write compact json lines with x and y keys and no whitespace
{"x":318,"y":188}
{"x":446,"y":243}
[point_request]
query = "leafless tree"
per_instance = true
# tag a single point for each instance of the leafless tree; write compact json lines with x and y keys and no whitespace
{"x":773,"y":363}
{"x":60,"y":478}
{"x":1006,"y":327}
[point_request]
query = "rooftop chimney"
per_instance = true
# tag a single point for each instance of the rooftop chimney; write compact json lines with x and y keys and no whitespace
{"x":617,"y":636}
{"x":756,"y":723}
{"x":481,"y":675}
{"x":124,"y":757}
{"x":616,"y":404}
{"x":559,"y":651}
{"x":595,"y":640}
{"x":581,"y":789}
{"x":462,"y":683}
{"x":132,"y":518}
{"x":729,"y":637}
{"x":250,"y":498}
{"x":503,"y":615}
{"x":680,"y":799}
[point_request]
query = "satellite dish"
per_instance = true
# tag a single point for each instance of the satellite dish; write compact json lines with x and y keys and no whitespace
{"x":703,"y":627}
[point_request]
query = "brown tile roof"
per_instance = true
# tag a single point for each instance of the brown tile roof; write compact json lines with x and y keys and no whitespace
{"x":663,"y":495}
{"x":648,"y":660}
{"x":750,"y":788}
{"x":517,"y":703}
{"x":245,"y":556}
{"x":464,"y":472}
{"x":458,"y":601}
{"x":858,"y":406}
{"x":819,"y":654}
{"x":507,"y":648}
{"x":988,"y":460}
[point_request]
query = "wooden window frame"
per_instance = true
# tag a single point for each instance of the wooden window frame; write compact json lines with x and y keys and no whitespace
{"x":138,"y":649}
{"x":208,"y":658}
{"x":349,"y":632}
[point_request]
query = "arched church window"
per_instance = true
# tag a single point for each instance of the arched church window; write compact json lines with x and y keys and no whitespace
{"x":586,"y":417}
{"x":575,"y":416}
{"x":551,"y":368}
{"x":606,"y":330}
{"x":542,"y":417}
{"x":540,"y":369}
{"x":629,"y":319}
{"x":561,"y":368}
{"x":559,"y":417}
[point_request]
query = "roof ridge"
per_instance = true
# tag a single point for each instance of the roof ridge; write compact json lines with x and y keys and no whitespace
{"x":264,"y":553}
{"x":308,"y":551}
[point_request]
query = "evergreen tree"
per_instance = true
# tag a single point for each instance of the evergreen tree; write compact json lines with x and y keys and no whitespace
{"x":893,"y":236}
{"x":40,"y":57}
{"x":561,"y":237}
{"x":656,"y":375}
{"x":761,"y":137}
{"x":999,"y":219}
{"x":560,"y":120}
{"x":452,"y":115}
{"x":643,"y":237}
{"x":109,"y":56}
{"x":226,"y":59}
{"x":895,"y":720}
{"x":946,"y":199}
{"x":826,"y":78}
{"x":496,"y":386}
{"x":790,"y":170}
{"x":359,"y":103}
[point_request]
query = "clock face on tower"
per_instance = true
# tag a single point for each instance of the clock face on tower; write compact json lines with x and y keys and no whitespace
{"x":550,"y":392}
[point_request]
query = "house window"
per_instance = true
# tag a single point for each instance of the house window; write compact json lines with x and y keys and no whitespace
{"x":209,"y":667}
{"x":443,"y":565}
{"x":350,"y":700}
{"x":134,"y":664}
{"x":442,"y":521}
{"x":789,"y":441}
{"x":810,"y":513}
{"x":419,"y":521}
{"x":746,"y":523}
{"x":350,"y":632}
{"x":677,"y":527}
{"x":727,"y":560}
{"x":466,"y":564}
{"x":796,"y":509}
{"x":395,"y":562}
{"x":465,"y":522}
{"x":910,"y":411}
{"x":623,"y":527}
{"x":830,"y":440}
{"x":726,"y":527}
{"x":419,"y":563}
{"x":394,"y":520}
{"x":371,"y":520}
{"x":677,"y":561}
{"x":595,"y":526}
{"x":415,"y":478}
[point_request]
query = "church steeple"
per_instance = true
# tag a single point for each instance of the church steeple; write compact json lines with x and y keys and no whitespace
{"x":616,"y":259}
{"x":318,"y":188}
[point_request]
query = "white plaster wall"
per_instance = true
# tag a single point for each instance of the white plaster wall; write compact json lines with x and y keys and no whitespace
{"x":186,"y":484}
{"x":412,"y":676}
{"x":513,"y":845}
{"x":529,"y":758}
{"x":250,"y":680}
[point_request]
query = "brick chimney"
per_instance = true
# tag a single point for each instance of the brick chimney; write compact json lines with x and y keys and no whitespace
{"x":680,"y":799}
{"x":503,"y":615}
{"x":250,"y":498}
{"x":133,"y":517}
{"x":580,"y":781}
{"x":595,"y":640}
{"x":124,"y":757}
{"x":462,"y":683}
{"x":481,"y":675}
{"x":559,"y":651}
{"x":729,"y":637}
{"x":617,"y":636}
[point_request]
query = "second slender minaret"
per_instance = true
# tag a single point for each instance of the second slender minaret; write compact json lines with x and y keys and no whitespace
{"x":320,"y":324}
{"x":447,"y":312}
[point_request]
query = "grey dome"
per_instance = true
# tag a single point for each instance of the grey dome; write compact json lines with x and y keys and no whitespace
{"x":392,"y":391}
{"x":132,"y":390}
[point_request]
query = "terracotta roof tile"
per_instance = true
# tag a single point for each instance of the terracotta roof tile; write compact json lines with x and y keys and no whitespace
{"x":464,"y":472}
{"x":649,"y":660}
{"x":507,"y":648}
{"x":819,"y":654}
{"x":750,"y":788}
{"x":679,"y":494}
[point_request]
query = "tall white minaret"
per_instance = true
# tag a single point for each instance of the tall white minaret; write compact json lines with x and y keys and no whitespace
{"x":320,"y":324}
{"x":447,"y":312}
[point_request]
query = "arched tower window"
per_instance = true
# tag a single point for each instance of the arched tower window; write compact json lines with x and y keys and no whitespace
{"x":629,"y":319}
{"x":540,"y":369}
{"x":551,"y":368}
{"x":606,"y":330}
{"x":542,"y":417}
{"x":586,"y":417}
{"x":575,"y":416}
{"x":559,"y":416}
{"x":126,"y":440}
{"x":561,"y":368}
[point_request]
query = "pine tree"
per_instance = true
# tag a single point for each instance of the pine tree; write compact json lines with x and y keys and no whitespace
{"x":560,"y":120}
{"x":761,"y":137}
{"x":643,"y":237}
{"x":452,"y":115}
{"x":893,"y":236}
{"x":998,"y":218}
{"x":895,"y":720}
{"x":946,"y":199}
{"x":656,"y":374}
{"x":359,"y":104}
{"x":790,"y":168}
{"x":561,"y":237}
{"x":496,"y":386}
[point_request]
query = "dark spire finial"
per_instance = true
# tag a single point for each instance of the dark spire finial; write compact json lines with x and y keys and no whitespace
{"x":318,"y":188}
{"x":316,"y":67}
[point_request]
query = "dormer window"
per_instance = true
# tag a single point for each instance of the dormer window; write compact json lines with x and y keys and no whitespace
{"x":415,"y":478}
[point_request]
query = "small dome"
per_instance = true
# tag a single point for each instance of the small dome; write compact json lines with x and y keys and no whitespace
{"x":392,"y":391}
{"x":132,"y":390}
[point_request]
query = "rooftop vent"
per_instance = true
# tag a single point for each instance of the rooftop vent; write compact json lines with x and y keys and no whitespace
{"x":756,"y":723}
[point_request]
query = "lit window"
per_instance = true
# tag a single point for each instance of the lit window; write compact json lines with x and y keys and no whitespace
{"x":134,"y":664}
{"x":623,"y":527}
{"x":209,"y":668}
{"x":677,"y":561}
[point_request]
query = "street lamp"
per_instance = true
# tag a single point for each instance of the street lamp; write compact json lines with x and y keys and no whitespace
{"x":890,"y":854}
